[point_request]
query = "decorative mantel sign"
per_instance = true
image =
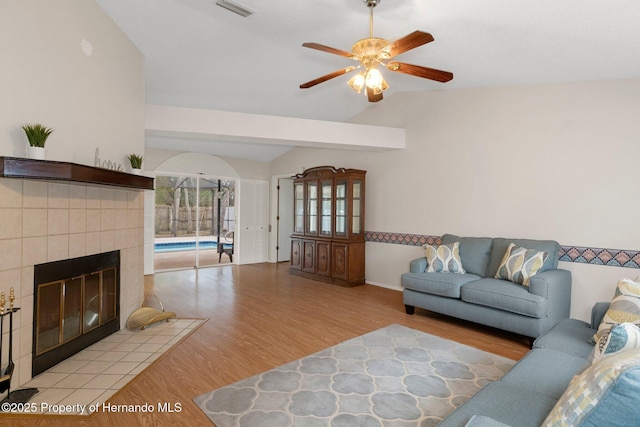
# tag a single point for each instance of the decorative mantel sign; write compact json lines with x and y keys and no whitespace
{"x":107,"y":164}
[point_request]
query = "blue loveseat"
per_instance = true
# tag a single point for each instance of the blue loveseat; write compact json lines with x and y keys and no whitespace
{"x":478,"y":297}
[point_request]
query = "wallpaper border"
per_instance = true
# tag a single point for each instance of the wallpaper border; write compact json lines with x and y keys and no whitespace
{"x":580,"y":254}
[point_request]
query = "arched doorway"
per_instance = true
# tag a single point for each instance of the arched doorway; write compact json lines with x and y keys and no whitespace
{"x":194,"y":213}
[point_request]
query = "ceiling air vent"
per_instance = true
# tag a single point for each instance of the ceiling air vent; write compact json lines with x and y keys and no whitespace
{"x":236,"y":7}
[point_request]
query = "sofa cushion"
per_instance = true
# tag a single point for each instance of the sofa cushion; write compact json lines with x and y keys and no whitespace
{"x":500,"y":245}
{"x":598,"y":311}
{"x":570,"y":336}
{"x":443,"y":258}
{"x":606,"y":393}
{"x":545,"y":371}
{"x":474,"y":252}
{"x":520,"y":264}
{"x":625,"y":336}
{"x":625,"y":307}
{"x":504,"y":295}
{"x":504,"y":402}
{"x":442,"y":284}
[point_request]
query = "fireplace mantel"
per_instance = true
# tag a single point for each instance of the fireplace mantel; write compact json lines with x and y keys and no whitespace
{"x":15,"y":167}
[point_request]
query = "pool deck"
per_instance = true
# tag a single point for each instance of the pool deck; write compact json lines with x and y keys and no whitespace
{"x":188,"y":239}
{"x":187,"y":259}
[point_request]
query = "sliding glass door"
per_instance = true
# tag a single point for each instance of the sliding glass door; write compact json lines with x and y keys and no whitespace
{"x":194,"y":222}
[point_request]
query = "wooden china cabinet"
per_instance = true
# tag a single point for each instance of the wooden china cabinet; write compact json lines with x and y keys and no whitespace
{"x":327,"y":243}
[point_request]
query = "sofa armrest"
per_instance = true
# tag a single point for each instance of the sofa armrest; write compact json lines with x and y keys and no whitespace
{"x":483,"y":421}
{"x":597,"y":313}
{"x":555,"y":287}
{"x":550,"y":282}
{"x":418,"y":265}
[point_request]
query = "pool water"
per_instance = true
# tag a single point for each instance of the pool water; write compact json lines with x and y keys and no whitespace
{"x":187,"y":246}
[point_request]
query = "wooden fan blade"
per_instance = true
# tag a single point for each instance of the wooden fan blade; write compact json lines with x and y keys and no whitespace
{"x":327,"y":77}
{"x":408,"y":42}
{"x":328,"y":49}
{"x":418,"y":71}
{"x":372,"y":96}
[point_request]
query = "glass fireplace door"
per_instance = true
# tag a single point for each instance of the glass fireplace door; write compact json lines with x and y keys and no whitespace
{"x":71,"y":307}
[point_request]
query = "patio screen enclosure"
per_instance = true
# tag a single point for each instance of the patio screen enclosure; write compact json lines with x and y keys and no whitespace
{"x":192,"y":215}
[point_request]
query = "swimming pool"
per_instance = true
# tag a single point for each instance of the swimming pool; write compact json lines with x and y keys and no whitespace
{"x":186,"y":246}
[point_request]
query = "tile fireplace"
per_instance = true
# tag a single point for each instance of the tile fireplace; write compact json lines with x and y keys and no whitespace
{"x":49,"y":221}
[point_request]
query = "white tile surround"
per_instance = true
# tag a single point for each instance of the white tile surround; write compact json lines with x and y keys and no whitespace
{"x":44,"y":221}
{"x":89,"y":378}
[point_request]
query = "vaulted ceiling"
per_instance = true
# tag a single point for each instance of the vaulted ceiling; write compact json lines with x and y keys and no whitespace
{"x":203,"y":56}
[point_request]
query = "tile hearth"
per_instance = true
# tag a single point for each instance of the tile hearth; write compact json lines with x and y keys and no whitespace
{"x":96,"y":373}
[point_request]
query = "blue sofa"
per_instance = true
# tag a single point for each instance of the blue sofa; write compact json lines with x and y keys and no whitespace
{"x":478,"y":297}
{"x":526,"y":394}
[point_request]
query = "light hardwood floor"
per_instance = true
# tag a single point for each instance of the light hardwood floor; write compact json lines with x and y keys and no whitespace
{"x":260,"y":317}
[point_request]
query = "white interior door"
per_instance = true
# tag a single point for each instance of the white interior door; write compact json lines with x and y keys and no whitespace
{"x":285,"y":218}
{"x":253,"y":222}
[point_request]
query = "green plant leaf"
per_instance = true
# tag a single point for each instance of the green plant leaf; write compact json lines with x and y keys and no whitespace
{"x":135,"y":160}
{"x":37,"y":134}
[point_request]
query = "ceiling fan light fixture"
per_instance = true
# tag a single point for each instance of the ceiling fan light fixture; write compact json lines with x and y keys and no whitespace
{"x":357,"y":82}
{"x":372,"y":52}
{"x":375,"y":81}
{"x":384,"y":86}
{"x":236,"y":7}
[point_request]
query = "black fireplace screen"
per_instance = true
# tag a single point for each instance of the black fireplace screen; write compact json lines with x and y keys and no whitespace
{"x":76,"y":304}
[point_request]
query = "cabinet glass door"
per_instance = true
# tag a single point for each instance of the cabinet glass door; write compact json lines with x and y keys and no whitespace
{"x":341,"y":207}
{"x":357,"y":206}
{"x":298,"y":203}
{"x":312,"y":198}
{"x":325,"y":208}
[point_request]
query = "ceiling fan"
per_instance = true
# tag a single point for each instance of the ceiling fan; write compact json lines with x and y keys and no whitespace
{"x":374,"y":51}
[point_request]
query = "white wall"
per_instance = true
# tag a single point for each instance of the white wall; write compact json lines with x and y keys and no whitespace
{"x":66,"y":64}
{"x":556,"y":161}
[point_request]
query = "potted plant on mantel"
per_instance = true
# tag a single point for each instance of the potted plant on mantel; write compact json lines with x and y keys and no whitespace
{"x":136,"y":163}
{"x":37,"y":135}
